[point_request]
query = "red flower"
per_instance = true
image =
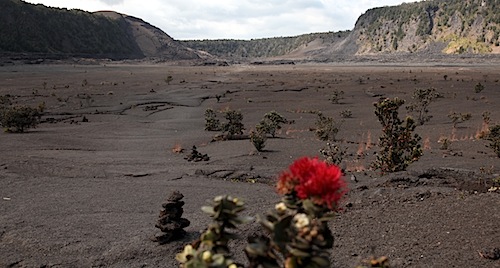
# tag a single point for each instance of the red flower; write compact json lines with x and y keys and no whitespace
{"x":313,"y":179}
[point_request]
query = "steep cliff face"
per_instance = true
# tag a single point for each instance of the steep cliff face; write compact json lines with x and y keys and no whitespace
{"x":27,"y":29}
{"x":453,"y":26}
{"x":152,"y":41}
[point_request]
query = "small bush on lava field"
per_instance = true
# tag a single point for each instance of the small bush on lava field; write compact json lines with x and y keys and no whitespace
{"x":234,"y":125}
{"x":422,"y":98}
{"x":336,"y":96}
{"x":399,"y":146}
{"x":19,"y":118}
{"x":326,"y":128}
{"x":271,"y":122}
{"x":258,"y":139}
{"x":211,"y":121}
{"x":333,"y":153}
{"x":457,"y":118}
{"x":347,"y":113}
{"x":494,"y":137}
{"x":478,"y":88}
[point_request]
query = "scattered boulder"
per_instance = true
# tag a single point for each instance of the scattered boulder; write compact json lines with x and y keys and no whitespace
{"x":196,"y":156}
{"x":170,"y":221}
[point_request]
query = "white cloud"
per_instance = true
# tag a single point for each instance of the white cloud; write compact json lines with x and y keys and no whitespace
{"x":235,"y":19}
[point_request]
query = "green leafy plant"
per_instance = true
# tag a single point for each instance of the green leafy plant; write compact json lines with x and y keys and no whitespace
{"x":297,"y":229}
{"x":234,"y":124}
{"x":211,"y":249}
{"x":422,"y":98}
{"x":271,"y":122}
{"x":19,"y":118}
{"x":326,"y":128}
{"x":494,"y":137}
{"x":399,"y":146}
{"x":211,"y":121}
{"x":258,"y":139}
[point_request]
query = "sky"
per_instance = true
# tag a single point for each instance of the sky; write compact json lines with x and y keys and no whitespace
{"x":235,"y":19}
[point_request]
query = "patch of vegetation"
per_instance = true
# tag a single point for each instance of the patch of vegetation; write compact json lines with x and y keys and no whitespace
{"x":399,"y":145}
{"x":457,"y":118}
{"x":211,"y":121}
{"x":478,"y":88}
{"x":258,"y":139}
{"x":233,"y":125}
{"x":336,"y":96}
{"x":326,"y":128}
{"x":333,"y":153}
{"x":19,"y":118}
{"x":271,"y":122}
{"x":347,"y":113}
{"x":422,"y":98}
{"x":296,"y":232}
{"x":494,"y":137}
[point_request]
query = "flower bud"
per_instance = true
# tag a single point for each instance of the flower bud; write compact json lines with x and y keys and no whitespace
{"x":207,"y":256}
{"x":280,"y":207}
{"x":301,"y":220}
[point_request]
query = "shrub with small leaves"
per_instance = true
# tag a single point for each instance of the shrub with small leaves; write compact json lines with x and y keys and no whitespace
{"x":258,"y":139}
{"x":326,"y":128}
{"x":346,"y":113}
{"x":333,"y":153}
{"x":399,"y":146}
{"x":271,"y":122}
{"x":336,"y":96}
{"x":478,"y":88}
{"x":19,"y":118}
{"x":457,"y":118}
{"x":494,"y":137}
{"x":234,"y":124}
{"x":211,"y":121}
{"x":422,"y":98}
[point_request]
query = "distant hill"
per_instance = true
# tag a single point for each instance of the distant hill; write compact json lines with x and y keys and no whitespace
{"x":433,"y":27}
{"x":52,"y":32}
{"x":429,"y":28}
{"x":455,"y":26}
{"x":266,"y":47}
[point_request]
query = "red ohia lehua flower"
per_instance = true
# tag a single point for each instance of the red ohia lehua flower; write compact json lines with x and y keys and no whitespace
{"x":311,"y":178}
